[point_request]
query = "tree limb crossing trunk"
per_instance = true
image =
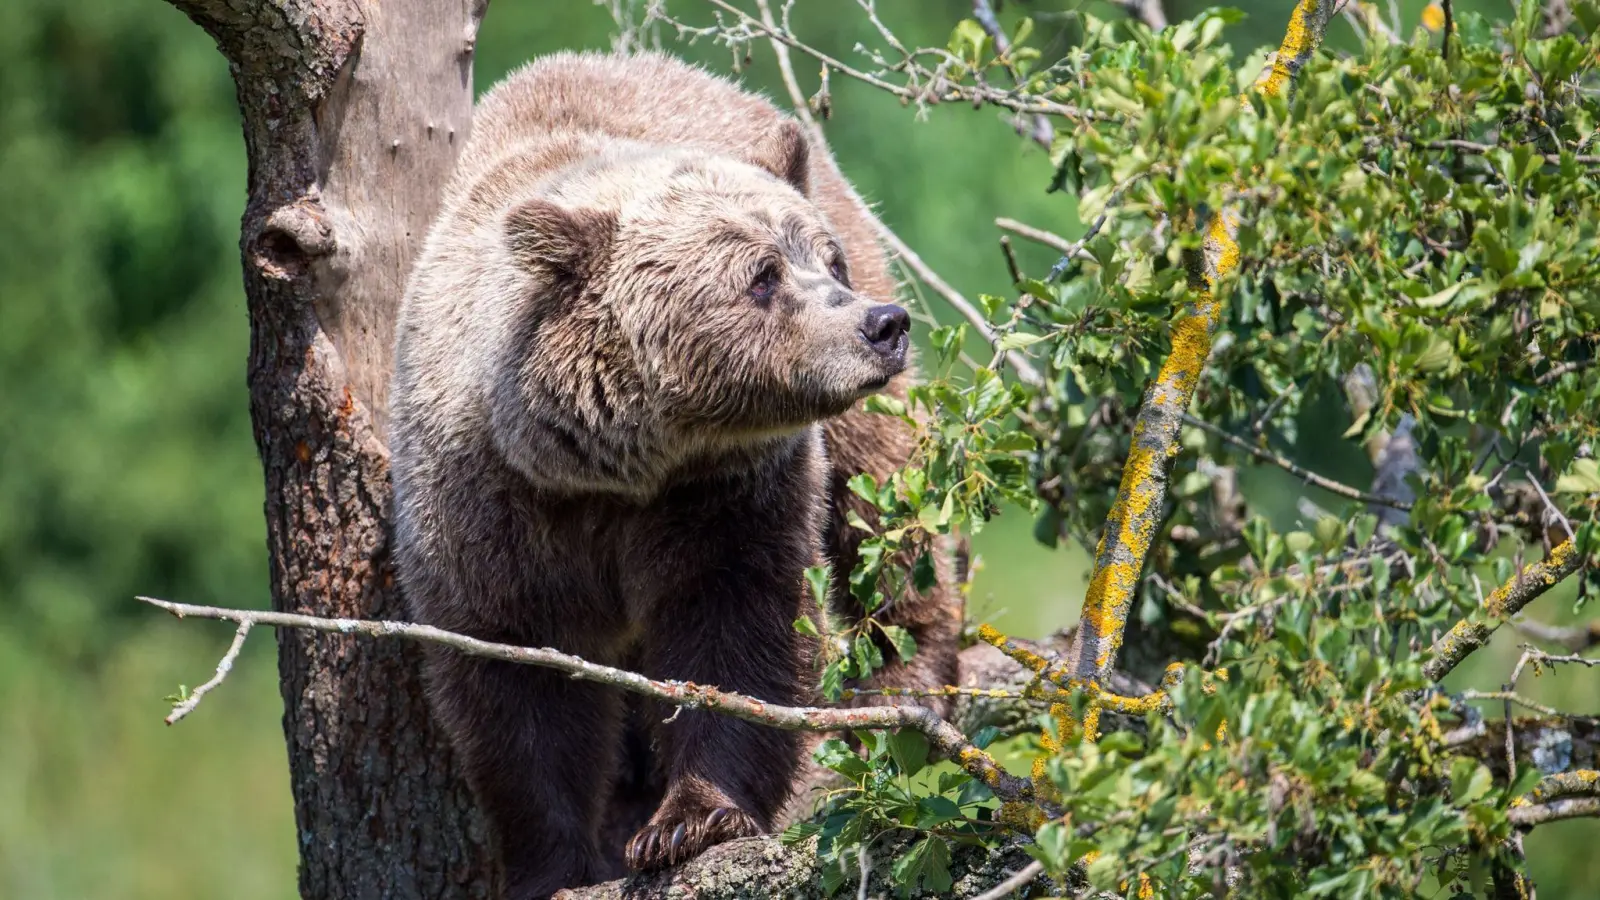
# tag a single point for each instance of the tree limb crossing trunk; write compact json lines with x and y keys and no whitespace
{"x":353,"y":113}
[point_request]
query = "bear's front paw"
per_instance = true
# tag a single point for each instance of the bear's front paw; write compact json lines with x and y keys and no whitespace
{"x":676,"y":836}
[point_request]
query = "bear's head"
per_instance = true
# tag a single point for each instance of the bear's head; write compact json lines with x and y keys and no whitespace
{"x":689,"y":298}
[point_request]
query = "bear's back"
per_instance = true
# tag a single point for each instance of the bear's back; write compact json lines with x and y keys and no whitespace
{"x":650,"y":98}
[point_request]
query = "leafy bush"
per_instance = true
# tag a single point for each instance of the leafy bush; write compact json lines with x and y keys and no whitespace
{"x":1418,"y":274}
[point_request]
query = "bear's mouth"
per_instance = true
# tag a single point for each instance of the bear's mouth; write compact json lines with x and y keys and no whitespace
{"x":890,"y":364}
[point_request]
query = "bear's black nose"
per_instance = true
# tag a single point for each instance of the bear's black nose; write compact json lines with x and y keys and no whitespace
{"x":885,"y":328}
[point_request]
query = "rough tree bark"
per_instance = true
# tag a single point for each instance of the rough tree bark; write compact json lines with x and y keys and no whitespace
{"x":353,"y":113}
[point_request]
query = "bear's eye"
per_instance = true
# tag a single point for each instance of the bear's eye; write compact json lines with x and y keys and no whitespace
{"x":765,"y":284}
{"x":836,"y":269}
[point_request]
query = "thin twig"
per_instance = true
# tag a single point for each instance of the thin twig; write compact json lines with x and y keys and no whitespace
{"x":1304,"y":474}
{"x":1353,"y":15}
{"x":1040,"y":236}
{"x":1575,"y":638}
{"x":1556,"y":372}
{"x":948,"y":91}
{"x":1015,"y":880}
{"x":1043,"y":132}
{"x":941,"y":734}
{"x":1480,"y":148}
{"x":1449,"y":26}
{"x":187,"y":705}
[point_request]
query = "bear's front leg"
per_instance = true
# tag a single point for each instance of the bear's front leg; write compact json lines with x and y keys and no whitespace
{"x":725,"y":778}
{"x":540,"y":752}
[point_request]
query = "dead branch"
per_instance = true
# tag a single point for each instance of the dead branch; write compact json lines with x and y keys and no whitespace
{"x":941,"y":734}
{"x":1304,"y":474}
{"x":1043,"y":132}
{"x":1573,"y":638}
{"x":1040,"y":236}
{"x":923,"y":86}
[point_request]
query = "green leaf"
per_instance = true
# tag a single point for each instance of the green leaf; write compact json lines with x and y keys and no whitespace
{"x":927,"y":863}
{"x":1582,"y":478}
{"x":968,"y":42}
{"x":836,"y":755}
{"x":1050,"y":846}
{"x":935,"y":811}
{"x":798,"y":832}
{"x":1442,"y":298}
{"x":909,"y":750}
{"x":905,"y":646}
{"x":1018,"y":339}
{"x":805,"y":626}
{"x":817,"y":578}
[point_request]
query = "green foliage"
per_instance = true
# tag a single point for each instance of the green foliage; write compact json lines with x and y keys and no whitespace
{"x":893,"y":792}
{"x":1419,"y":235}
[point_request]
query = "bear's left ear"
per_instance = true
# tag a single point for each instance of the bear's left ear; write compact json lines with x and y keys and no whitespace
{"x":570,"y":242}
{"x":785,"y":153}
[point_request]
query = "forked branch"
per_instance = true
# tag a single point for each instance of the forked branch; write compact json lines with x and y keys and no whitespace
{"x":943,"y":736}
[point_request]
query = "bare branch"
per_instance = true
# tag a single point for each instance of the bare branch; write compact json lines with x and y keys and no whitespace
{"x":1147,"y":11}
{"x":1023,"y":876}
{"x":1364,"y":21}
{"x":1304,"y":474}
{"x":1040,"y":236}
{"x":1043,"y":132}
{"x":938,"y":89}
{"x":941,"y":734}
{"x":187,"y":704}
{"x":1574,"y":638}
{"x":1507,"y":600}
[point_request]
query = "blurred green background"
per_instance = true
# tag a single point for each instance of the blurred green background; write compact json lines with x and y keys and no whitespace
{"x":127,"y":465}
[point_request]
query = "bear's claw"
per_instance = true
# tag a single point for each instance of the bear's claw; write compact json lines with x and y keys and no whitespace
{"x":679,"y":837}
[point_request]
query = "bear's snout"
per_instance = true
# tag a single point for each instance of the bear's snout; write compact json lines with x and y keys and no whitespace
{"x":887,"y":329}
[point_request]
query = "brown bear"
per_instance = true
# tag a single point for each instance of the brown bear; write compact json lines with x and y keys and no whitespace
{"x":628,"y":369}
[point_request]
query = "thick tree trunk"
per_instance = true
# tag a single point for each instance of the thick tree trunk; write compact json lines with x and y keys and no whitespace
{"x":353,"y":112}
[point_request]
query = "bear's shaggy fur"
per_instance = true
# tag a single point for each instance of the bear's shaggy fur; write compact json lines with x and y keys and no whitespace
{"x":643,"y":293}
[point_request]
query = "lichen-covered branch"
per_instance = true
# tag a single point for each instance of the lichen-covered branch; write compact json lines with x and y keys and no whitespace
{"x":1467,"y":635}
{"x":941,"y":734}
{"x":1548,"y":744}
{"x":764,"y":868}
{"x":1136,"y":515}
{"x":1307,"y":24}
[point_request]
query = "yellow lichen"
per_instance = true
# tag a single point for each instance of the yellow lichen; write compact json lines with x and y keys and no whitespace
{"x":1298,"y":41}
{"x":1029,"y":660}
{"x":1433,"y":17}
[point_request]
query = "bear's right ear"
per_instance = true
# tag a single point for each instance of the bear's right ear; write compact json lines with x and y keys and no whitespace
{"x":785,"y":153}
{"x":570,"y":242}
